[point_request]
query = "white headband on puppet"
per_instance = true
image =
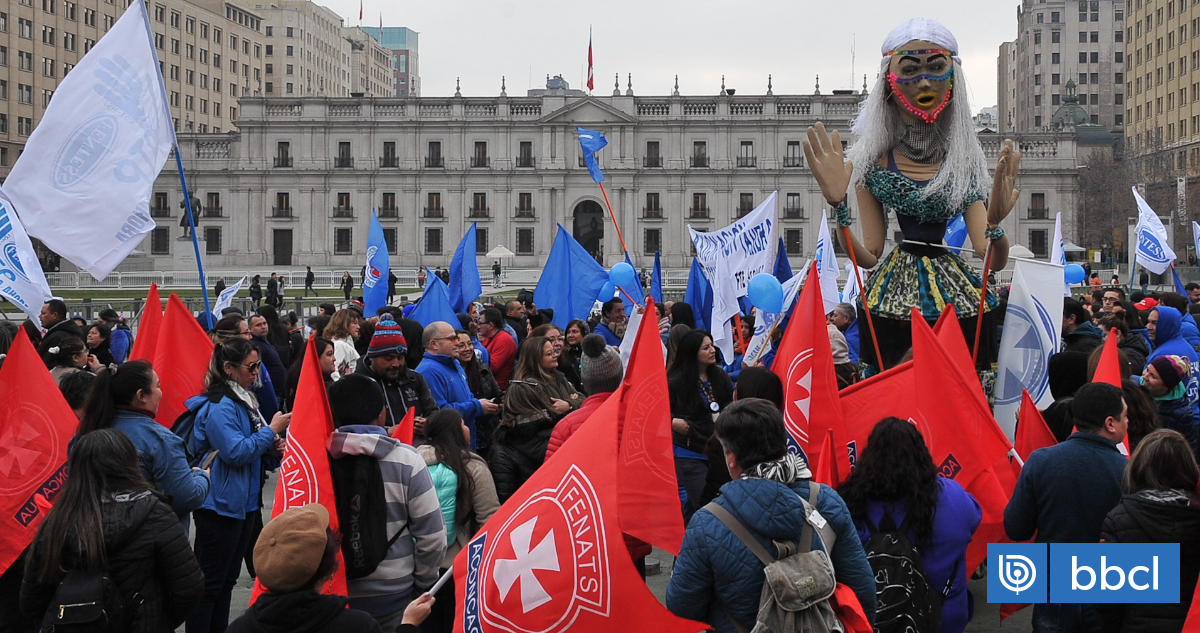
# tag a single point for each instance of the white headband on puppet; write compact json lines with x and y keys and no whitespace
{"x":920,"y":29}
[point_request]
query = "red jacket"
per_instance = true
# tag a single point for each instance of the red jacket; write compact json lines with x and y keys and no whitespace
{"x":502,"y":356}
{"x":565,"y":428}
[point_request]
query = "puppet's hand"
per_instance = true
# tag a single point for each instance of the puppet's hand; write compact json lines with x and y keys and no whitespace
{"x":828,"y":165}
{"x":1004,"y":193}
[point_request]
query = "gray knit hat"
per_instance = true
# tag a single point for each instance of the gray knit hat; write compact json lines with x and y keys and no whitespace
{"x":601,"y":369}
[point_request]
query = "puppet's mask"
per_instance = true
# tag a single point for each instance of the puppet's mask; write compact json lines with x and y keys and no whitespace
{"x":921,"y":76}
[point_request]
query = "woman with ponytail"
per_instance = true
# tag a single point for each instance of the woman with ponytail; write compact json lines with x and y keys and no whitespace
{"x":228,"y":420}
{"x":126,"y":399}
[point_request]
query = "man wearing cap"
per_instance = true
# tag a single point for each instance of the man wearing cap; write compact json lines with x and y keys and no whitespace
{"x":445,"y":376}
{"x":402,"y":387}
{"x":412,"y":562}
{"x":1165,"y":378}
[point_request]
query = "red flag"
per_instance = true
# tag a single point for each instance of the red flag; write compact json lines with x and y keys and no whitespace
{"x":648,"y":489}
{"x":181,"y":360}
{"x":304,"y":476}
{"x":405,"y":430}
{"x":1032,"y":432}
{"x":827,"y":470}
{"x":148,"y":325}
{"x":849,"y":610}
{"x":552,"y":558}
{"x":35,"y":425}
{"x":1109,"y":368}
{"x":1192,"y":623}
{"x":804,"y":363}
{"x":590,"y":85}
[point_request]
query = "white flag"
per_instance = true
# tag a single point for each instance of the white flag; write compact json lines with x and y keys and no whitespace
{"x":631,"y":329}
{"x":850,"y":288}
{"x":827,"y":266}
{"x":1058,"y":252}
{"x":21,"y":278}
{"x":731,"y":257}
{"x":225,"y":299}
{"x":1196,"y":237}
{"x":1153,"y":248}
{"x":1032,"y":326}
{"x":83,"y":183}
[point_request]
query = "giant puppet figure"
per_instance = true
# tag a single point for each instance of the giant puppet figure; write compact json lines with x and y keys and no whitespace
{"x":915,"y":153}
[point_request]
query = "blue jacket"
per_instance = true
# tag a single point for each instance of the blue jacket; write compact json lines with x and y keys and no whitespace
{"x":119,"y":344}
{"x":1191,"y":333}
{"x":447,"y":384}
{"x":163,"y":460}
{"x":714,"y":563}
{"x":609,"y":337}
{"x":954,"y":524}
{"x":1065,"y":491}
{"x":1169,"y":340}
{"x":851,"y":334}
{"x":227,"y":425}
{"x":1177,"y":414}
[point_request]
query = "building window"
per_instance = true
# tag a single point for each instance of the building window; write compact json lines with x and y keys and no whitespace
{"x":160,"y":241}
{"x":653,"y":206}
{"x":699,"y":154}
{"x":389,"y":240}
{"x":434,"y":157}
{"x":1055,"y":37}
{"x":653,"y":156}
{"x":433,"y":206}
{"x":343,"y":158}
{"x":652,"y":242}
{"x":343,"y":209}
{"x":524,"y":241}
{"x":1055,"y":58}
{"x":746,"y":156}
{"x":525,"y":154}
{"x":794,"y":155}
{"x":1038,"y":242}
{"x":1037,"y":37}
{"x":161,"y":208}
{"x":793,"y":241}
{"x":699,"y":206}
{"x":793,"y":209}
{"x":343,"y":242}
{"x":524,"y":205}
{"x":212,"y":240}
{"x":212,"y":207}
{"x":745,"y":204}
{"x":480,"y":157}
{"x":479,"y":208}
{"x":1037,"y":207}
{"x":433,"y":241}
{"x":387,"y":206}
{"x":481,"y":240}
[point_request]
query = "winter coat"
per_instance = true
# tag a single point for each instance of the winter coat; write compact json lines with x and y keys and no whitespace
{"x":502,"y":355}
{"x":1136,"y":351}
{"x":573,"y":355}
{"x":480,"y":505}
{"x":57,"y":334}
{"x":163,"y":460}
{"x":955,"y":519}
{"x":1191,"y":333}
{"x":1153,"y":516}
{"x":1084,"y":338}
{"x":1168,"y":339}
{"x":412,"y":504}
{"x":448,"y":386}
{"x":344,"y":352}
{"x":851,"y":334}
{"x":688,"y":403}
{"x":609,"y":337}
{"x":1177,"y":414}
{"x":148,"y":554}
{"x":409,"y":390}
{"x":713,"y":563}
{"x":1064,"y":491}
{"x":532,"y":399}
{"x":242,"y":438}
{"x":120,"y":344}
{"x":518,"y":451}
{"x":103,"y":353}
{"x":272,"y":363}
{"x":303,"y":612}
{"x":255,"y":291}
{"x":567,"y":426}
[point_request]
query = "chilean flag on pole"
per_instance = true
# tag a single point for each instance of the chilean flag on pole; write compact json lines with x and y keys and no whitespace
{"x":591,"y":85}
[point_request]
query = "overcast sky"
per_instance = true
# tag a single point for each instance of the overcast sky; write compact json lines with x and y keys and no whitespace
{"x":699,"y":40}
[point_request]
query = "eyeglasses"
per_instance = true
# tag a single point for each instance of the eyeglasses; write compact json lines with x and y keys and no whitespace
{"x":1110,"y":299}
{"x":253,"y":367}
{"x":452,"y":337}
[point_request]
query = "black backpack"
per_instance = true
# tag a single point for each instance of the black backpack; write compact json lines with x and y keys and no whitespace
{"x":906,"y":600}
{"x":86,"y":602}
{"x":362,"y":513}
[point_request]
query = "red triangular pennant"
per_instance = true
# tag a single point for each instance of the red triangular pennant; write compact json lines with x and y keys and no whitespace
{"x":406,"y":429}
{"x":1109,"y":368}
{"x":304,"y":475}
{"x":552,"y":558}
{"x":826,"y":471}
{"x":181,"y":360}
{"x":35,"y":426}
{"x":804,"y":363}
{"x":146,"y":340}
{"x":1032,"y":431}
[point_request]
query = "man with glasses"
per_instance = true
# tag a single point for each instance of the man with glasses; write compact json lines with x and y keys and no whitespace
{"x":445,"y":376}
{"x":1111,"y":297}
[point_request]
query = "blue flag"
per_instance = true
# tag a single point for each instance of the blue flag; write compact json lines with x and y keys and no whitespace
{"x":1179,"y":283}
{"x":434,"y":304}
{"x":699,"y":295}
{"x":375,"y":286}
{"x":783,"y":267}
{"x":570,"y":281}
{"x":956,"y":232}
{"x":465,"y":285}
{"x":592,"y":141}
{"x":636,"y":292}
{"x":656,"y":280}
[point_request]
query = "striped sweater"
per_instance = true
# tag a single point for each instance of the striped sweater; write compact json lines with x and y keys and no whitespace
{"x":412,"y":563}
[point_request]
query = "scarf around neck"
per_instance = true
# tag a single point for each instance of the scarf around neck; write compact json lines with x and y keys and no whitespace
{"x":922,"y":142}
{"x":790,"y":468}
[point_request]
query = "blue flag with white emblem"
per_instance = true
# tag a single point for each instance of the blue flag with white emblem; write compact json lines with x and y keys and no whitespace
{"x":376,"y":283}
{"x":1153,"y":248}
{"x":465,"y":285}
{"x":591,"y":142}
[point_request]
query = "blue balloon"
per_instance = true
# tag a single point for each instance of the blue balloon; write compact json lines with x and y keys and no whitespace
{"x":623,"y":275}
{"x":766,"y":293}
{"x":1074,"y":273}
{"x":607,"y":292}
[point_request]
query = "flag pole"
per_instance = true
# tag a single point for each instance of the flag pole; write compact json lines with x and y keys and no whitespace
{"x":987,"y":263}
{"x":614,"y":218}
{"x":862,"y":294}
{"x":187,"y":200}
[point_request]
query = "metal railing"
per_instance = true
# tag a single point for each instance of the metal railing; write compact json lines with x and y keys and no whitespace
{"x":652,"y":213}
{"x":1039,"y":213}
{"x":793,"y":161}
{"x":342,"y":162}
{"x":388,"y":212}
{"x":699,"y":161}
{"x":479,"y":161}
{"x":283,"y":161}
{"x":526,"y":161}
{"x":434,"y":162}
{"x":478,"y":212}
{"x":747,"y":161}
{"x":525,"y":212}
{"x":343,"y":212}
{"x":698,"y":212}
{"x":281,"y":212}
{"x":389,"y":161}
{"x":652,"y":161}
{"x":433,"y":212}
